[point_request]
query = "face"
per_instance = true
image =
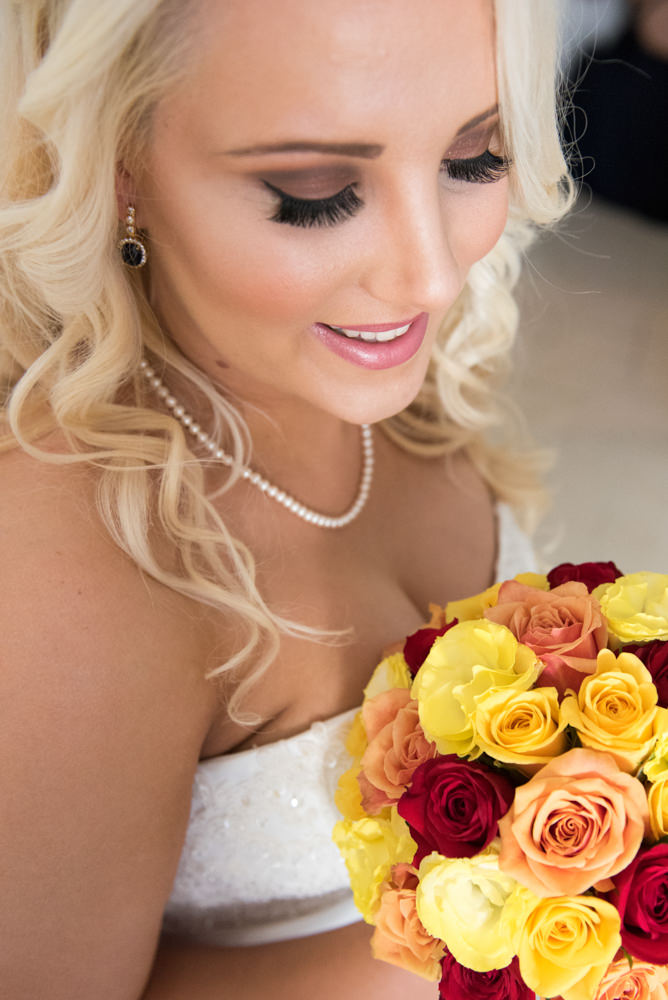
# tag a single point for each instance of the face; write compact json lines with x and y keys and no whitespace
{"x":327,"y":166}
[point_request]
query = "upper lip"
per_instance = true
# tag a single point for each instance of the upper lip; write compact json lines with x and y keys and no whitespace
{"x":374,"y":327}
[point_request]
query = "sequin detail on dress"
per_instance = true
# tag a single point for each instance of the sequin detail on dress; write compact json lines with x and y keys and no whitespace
{"x":259,"y":862}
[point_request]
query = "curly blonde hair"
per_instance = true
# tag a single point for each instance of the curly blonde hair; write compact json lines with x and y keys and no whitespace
{"x":74,"y":325}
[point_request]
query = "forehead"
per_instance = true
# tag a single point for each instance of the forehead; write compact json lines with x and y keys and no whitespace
{"x":278,"y":67}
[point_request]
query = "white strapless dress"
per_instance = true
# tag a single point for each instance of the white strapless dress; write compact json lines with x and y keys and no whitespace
{"x":258,"y":863}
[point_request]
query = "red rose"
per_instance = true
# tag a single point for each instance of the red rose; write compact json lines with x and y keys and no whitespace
{"x":454,"y":806}
{"x":641,"y":896}
{"x":460,"y":983}
{"x":654,"y":655}
{"x":593,"y":574}
{"x":417,"y":645}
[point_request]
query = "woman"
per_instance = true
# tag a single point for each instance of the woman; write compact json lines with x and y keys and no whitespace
{"x":333,"y":199}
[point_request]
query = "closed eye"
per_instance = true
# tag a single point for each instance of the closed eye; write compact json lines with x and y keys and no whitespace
{"x":483,"y":169}
{"x":310,"y":212}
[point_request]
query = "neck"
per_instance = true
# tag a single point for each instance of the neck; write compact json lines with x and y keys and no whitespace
{"x":310,"y":454}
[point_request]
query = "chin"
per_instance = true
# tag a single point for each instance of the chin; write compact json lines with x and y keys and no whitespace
{"x":360,"y":407}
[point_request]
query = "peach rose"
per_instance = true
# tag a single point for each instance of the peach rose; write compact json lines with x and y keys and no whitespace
{"x":396,"y":746}
{"x":564,"y":627}
{"x":641,"y":981}
{"x":400,"y":937}
{"x":475,"y":607}
{"x":574,"y":824}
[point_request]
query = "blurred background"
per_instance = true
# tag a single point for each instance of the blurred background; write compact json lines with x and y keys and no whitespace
{"x":592,"y":372}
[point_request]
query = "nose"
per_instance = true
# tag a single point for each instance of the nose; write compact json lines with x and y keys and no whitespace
{"x":410,"y":260}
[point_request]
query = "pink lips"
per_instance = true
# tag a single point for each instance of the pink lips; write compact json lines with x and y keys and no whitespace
{"x":376,"y":356}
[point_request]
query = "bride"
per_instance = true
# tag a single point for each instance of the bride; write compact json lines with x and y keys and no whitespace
{"x":255,"y":291}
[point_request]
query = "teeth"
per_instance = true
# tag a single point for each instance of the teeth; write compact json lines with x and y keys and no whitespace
{"x":373,"y":337}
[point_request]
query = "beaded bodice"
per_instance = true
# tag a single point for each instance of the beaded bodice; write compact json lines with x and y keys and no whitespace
{"x":259,"y":862}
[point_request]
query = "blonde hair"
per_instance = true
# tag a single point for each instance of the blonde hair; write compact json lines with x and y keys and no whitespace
{"x":79,"y":82}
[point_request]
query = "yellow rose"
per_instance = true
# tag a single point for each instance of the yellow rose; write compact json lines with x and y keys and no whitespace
{"x":636,"y":606}
{"x":469,"y":661}
{"x":520,"y":727}
{"x":567,"y":944}
{"x":392,"y":672}
{"x":348,"y":795}
{"x":356,"y":741}
{"x":537,"y":580}
{"x":471,"y":906}
{"x":370,"y":847}
{"x":616,"y":710}
{"x":656,"y":768}
{"x":657,"y":800}
{"x":470,"y":608}
{"x":475,"y":607}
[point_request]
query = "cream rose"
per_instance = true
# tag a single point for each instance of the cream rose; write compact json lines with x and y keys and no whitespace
{"x":472,"y":906}
{"x":467,"y":662}
{"x":636,"y":606}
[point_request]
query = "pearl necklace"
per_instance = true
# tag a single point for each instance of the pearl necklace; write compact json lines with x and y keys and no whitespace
{"x":287,"y":501}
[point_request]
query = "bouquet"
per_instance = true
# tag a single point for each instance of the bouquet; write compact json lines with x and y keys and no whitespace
{"x":506,"y":813}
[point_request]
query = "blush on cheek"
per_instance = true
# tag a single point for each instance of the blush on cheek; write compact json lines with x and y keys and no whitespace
{"x":479,"y":222}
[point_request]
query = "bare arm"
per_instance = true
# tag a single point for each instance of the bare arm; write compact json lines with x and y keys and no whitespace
{"x":99,"y":740}
{"x":334,"y":966}
{"x":104,"y":711}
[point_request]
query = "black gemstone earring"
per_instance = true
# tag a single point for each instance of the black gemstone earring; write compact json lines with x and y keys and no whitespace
{"x":133,"y":251}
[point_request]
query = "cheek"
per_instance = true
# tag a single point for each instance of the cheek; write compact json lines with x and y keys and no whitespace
{"x":272,"y":276}
{"x":476,"y":222}
{"x":214,"y":255}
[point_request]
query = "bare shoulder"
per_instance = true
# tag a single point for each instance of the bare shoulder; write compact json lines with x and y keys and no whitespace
{"x":64,"y":572}
{"x":100,"y":738}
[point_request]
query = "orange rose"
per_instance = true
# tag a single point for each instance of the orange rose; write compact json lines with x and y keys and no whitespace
{"x":564,"y":627}
{"x":399,"y":937}
{"x":641,"y":981}
{"x":578,"y":821}
{"x":397,"y":745}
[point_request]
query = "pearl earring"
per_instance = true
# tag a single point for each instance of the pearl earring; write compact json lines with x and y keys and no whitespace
{"x":133,"y":251}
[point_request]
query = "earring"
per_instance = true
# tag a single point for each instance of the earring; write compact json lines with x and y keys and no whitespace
{"x":133,"y":252}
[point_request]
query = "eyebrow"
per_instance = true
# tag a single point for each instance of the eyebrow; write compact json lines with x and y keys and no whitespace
{"x":364,"y":150}
{"x":472,"y":122}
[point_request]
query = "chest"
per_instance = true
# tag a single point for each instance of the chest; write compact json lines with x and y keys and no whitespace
{"x":359,"y":591}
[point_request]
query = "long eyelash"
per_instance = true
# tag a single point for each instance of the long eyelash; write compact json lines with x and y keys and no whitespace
{"x":309,"y":212}
{"x":483,"y":169}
